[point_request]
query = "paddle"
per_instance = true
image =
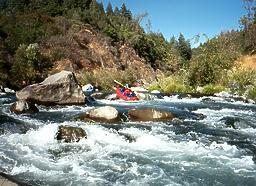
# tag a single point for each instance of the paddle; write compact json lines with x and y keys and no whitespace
{"x":117,"y":82}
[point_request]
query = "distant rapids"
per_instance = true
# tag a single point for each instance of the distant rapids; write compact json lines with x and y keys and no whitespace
{"x":213,"y":142}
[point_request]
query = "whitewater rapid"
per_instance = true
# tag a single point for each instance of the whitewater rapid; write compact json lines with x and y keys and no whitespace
{"x":187,"y":151}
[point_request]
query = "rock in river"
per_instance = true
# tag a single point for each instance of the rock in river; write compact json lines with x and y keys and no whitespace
{"x":149,"y":114}
{"x":102,"y":114}
{"x":59,"y":89}
{"x":70,"y":134}
{"x":21,"y":106}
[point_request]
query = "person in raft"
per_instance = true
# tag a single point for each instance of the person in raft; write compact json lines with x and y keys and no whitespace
{"x":127,"y":91}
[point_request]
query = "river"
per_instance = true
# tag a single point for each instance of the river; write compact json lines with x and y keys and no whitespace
{"x":211,"y":143}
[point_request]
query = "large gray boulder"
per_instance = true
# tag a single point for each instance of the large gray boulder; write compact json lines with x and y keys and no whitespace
{"x":149,"y":114}
{"x":21,"y":106}
{"x":59,"y":89}
{"x":105,"y":114}
{"x":70,"y":134}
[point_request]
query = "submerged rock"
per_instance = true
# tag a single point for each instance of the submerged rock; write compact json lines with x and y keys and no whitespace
{"x":103,"y":95}
{"x":21,"y":106}
{"x":235,"y":122}
{"x":127,"y":137}
{"x":149,"y":114}
{"x":102,"y":114}
{"x":70,"y":134}
{"x":59,"y":89}
{"x":230,"y":121}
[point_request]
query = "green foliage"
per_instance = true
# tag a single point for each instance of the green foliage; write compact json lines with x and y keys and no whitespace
{"x":172,"y":84}
{"x":250,"y":93}
{"x":4,"y":70}
{"x":27,"y":29}
{"x":212,"y":89}
{"x":70,"y":4}
{"x":184,"y":48}
{"x":48,"y":23}
{"x":125,"y":12}
{"x":248,"y":22}
{"x":103,"y":79}
{"x":158,"y":52}
{"x":202,"y":70}
{"x":240,"y":79}
{"x":154,"y":86}
{"x":29,"y":64}
{"x":211,"y":59}
{"x":97,"y":15}
{"x":109,"y":10}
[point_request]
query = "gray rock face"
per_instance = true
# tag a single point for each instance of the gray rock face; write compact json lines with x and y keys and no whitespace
{"x":102,"y":114}
{"x":149,"y":114}
{"x":21,"y":106}
{"x":70,"y":134}
{"x":59,"y":89}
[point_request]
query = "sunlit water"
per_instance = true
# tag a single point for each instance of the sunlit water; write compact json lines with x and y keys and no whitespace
{"x":194,"y":150}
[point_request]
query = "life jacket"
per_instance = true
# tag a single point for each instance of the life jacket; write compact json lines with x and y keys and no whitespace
{"x":127,"y":92}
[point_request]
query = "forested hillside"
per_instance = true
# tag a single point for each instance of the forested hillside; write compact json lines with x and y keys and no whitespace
{"x":100,"y":43}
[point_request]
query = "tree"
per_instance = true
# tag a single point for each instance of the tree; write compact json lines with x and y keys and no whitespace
{"x":109,"y":10}
{"x":116,"y":11}
{"x":83,"y":4}
{"x":95,"y":15}
{"x":173,"y":42}
{"x":29,"y":64}
{"x":184,"y":48}
{"x":153,"y":48}
{"x":4,"y":70}
{"x":212,"y":59}
{"x":249,"y":26}
{"x":125,"y":12}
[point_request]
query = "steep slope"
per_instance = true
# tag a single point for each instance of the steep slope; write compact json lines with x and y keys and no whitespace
{"x":248,"y":62}
{"x":82,"y":49}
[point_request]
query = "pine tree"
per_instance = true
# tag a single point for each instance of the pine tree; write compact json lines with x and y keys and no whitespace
{"x":83,"y":4}
{"x":97,"y":17}
{"x":173,"y":41}
{"x":109,"y":10}
{"x":249,"y":23}
{"x":126,"y":12}
{"x":184,"y":48}
{"x":116,"y":11}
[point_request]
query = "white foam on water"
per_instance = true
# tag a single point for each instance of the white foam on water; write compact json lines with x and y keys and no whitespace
{"x":24,"y":168}
{"x":105,"y":152}
{"x":102,"y":143}
{"x":71,"y":108}
{"x":224,"y":94}
{"x":176,"y":99}
{"x":251,"y":131}
{"x":24,"y":118}
{"x":39,"y":138}
{"x":218,"y":98}
{"x":160,"y":144}
{"x":230,"y":100}
{"x":120,"y":102}
{"x":214,"y":116}
{"x":103,"y":135}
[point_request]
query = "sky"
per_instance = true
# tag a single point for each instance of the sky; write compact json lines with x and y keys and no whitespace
{"x":189,"y":17}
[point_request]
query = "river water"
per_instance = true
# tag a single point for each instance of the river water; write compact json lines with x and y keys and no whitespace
{"x":211,"y":143}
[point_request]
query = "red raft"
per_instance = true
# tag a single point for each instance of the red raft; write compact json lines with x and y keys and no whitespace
{"x":121,"y":94}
